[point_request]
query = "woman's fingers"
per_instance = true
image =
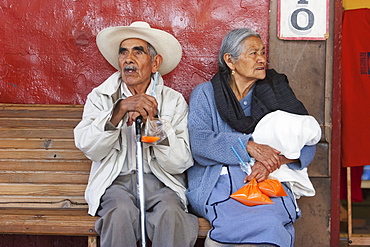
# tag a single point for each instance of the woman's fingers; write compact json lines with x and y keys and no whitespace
{"x":267,"y":155}
{"x":259,"y":172}
{"x":271,"y":164}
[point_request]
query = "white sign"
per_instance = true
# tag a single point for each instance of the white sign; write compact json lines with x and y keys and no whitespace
{"x":303,"y":19}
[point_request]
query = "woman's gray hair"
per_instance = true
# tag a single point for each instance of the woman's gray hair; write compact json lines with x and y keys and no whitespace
{"x":233,"y":44}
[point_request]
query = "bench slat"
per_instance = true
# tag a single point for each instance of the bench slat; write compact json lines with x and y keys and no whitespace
{"x":42,"y":202}
{"x":37,"y":143}
{"x":54,"y":154}
{"x":204,"y":227}
{"x":72,"y":222}
{"x":59,"y":222}
{"x":44,"y":177}
{"x":37,"y":133}
{"x":20,"y":123}
{"x":38,"y":111}
{"x":39,"y":190}
{"x":45,"y":165}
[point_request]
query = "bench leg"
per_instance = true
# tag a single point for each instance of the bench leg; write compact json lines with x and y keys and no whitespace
{"x":92,"y":241}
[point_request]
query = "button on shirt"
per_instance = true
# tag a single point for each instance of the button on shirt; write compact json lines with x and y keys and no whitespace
{"x":246,"y":102}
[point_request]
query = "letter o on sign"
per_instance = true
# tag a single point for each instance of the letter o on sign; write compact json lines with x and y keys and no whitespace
{"x":310,"y":19}
{"x":303,"y":19}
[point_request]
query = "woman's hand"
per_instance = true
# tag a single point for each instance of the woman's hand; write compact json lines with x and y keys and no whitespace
{"x":285,"y":160}
{"x":259,"y":172}
{"x":265,"y":154}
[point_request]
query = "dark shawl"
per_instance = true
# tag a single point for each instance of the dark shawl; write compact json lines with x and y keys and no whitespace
{"x":270,"y":94}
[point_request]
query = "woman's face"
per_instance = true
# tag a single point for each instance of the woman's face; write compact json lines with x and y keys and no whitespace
{"x":250,"y":65}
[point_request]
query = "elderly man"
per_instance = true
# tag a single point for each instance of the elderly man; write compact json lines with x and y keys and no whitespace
{"x":106,"y":135}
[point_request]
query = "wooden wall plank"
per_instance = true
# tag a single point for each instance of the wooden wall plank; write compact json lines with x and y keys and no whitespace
{"x":44,"y":177}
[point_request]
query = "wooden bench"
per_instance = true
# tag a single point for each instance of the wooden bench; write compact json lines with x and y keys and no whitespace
{"x":43,"y":175}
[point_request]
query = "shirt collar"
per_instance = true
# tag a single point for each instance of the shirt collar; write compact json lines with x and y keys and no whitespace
{"x":126,"y":92}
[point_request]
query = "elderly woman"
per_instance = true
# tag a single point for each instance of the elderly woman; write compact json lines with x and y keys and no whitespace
{"x":223,"y":113}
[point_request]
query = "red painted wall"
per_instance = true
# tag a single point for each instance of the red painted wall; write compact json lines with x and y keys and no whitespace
{"x":48,"y":52}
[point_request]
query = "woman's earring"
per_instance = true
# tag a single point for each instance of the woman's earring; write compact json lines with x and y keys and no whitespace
{"x":233,"y":72}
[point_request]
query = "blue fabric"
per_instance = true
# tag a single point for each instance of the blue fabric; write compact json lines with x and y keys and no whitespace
{"x":229,"y":218}
{"x":211,"y":140}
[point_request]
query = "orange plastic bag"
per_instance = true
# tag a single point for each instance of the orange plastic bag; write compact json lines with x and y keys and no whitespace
{"x":251,"y":195}
{"x":272,"y":188}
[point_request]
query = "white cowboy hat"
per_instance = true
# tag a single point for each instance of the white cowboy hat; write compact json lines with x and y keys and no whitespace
{"x":109,"y":40}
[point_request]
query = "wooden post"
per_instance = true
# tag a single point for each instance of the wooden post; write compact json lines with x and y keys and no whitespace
{"x":358,"y":240}
{"x":92,"y":241}
{"x":349,"y":203}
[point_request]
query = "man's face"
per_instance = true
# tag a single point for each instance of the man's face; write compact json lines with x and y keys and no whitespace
{"x":135,"y":63}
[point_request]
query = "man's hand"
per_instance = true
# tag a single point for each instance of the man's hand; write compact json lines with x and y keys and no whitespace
{"x":139,"y":104}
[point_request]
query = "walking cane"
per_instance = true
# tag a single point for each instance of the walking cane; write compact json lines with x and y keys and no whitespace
{"x":140,"y":179}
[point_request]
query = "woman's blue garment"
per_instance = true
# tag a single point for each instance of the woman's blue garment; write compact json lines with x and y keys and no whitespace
{"x":211,"y":139}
